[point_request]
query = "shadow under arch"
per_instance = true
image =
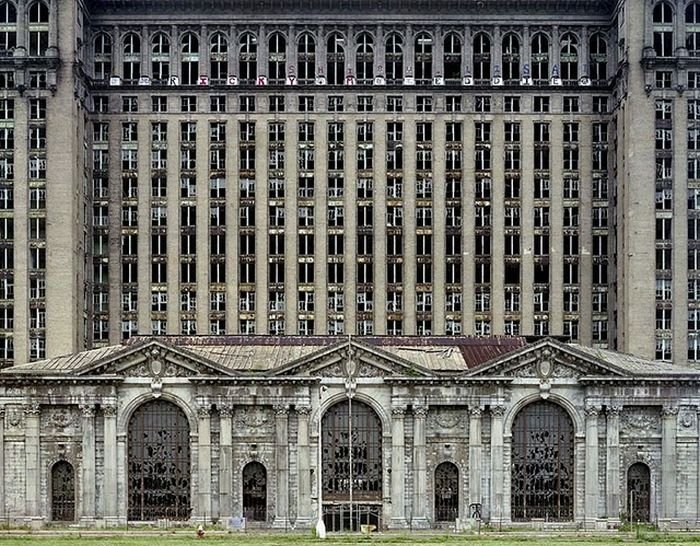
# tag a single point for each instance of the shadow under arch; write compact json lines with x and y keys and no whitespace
{"x":574,"y":414}
{"x":128,"y":411}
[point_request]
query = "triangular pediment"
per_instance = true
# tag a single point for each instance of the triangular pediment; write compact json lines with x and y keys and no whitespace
{"x":548,"y":359}
{"x":351,"y":359}
{"x":156,"y":360}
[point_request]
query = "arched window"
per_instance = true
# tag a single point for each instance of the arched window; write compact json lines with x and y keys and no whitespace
{"x":277,"y":58}
{"x":598,"y":50}
{"x":218,"y":58}
{"x":481,"y":58}
{"x":662,"y":19}
{"x":510,"y":58}
{"x":62,"y":492}
{"x":160,"y":57}
{"x":639,"y":493}
{"x":452,"y":58}
{"x":351,"y":454}
{"x":364,"y":59}
{"x":540,"y":58}
{"x":423,"y":58}
{"x":542,"y":479}
{"x":158,"y":463}
{"x":131,"y":58}
{"x":692,"y":29}
{"x":393,"y":59}
{"x":102,"y":53}
{"x":189,"y":59}
{"x":38,"y":29}
{"x":568,"y":57}
{"x":306,"y":58}
{"x":8,"y":34}
{"x":255,"y":492}
{"x":335,"y":58}
{"x":446,"y":492}
{"x":248,"y":58}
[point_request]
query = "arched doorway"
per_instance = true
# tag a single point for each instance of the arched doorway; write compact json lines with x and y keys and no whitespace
{"x":352,"y":466}
{"x":639,"y":492}
{"x":62,"y":492}
{"x":542,"y":480}
{"x":446,"y":492}
{"x":255,"y":492}
{"x":159,"y":463}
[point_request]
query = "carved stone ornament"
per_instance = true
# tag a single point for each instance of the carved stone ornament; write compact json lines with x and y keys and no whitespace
{"x":420,"y":412}
{"x":14,"y":417}
{"x":281,"y":410}
{"x":687,"y":418}
{"x":445,"y":418}
{"x":639,"y":421}
{"x":60,"y":418}
{"x":525,"y":371}
{"x":109,"y":410}
{"x":88,"y":410}
{"x":398,"y":411}
{"x":497,"y":411}
{"x":253,"y":421}
{"x":303,"y":410}
{"x":475,"y":411}
{"x":669,"y":411}
{"x":593,"y":410}
{"x":225,"y":410}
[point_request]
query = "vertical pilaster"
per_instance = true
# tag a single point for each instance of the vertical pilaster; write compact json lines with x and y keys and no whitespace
{"x":204,"y":464}
{"x":398,"y":466}
{"x":32,"y":414}
{"x":475,"y":455}
{"x":304,"y":515}
{"x":496,"y":500}
{"x":592,"y":489}
{"x":109,"y":412}
{"x":419,"y":467}
{"x":612,"y":460}
{"x":282,"y":465}
{"x":88,"y":464}
{"x":669,"y":418}
{"x":225,"y":461}
{"x":2,"y":460}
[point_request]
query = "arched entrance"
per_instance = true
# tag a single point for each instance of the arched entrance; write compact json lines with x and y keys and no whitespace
{"x":542,"y":480}
{"x":352,"y":466}
{"x":446,"y":492}
{"x":255,"y":492}
{"x":159,"y":463}
{"x":639,"y":493}
{"x":62,"y":492}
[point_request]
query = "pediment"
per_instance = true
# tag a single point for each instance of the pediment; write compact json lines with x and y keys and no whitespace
{"x":154,"y":360}
{"x":546,"y":360}
{"x":351,"y":359}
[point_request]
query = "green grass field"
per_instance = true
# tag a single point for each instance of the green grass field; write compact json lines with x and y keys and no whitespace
{"x":250,"y":539}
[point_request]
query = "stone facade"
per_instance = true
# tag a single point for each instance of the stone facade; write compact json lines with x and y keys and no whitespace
{"x":439,"y":400}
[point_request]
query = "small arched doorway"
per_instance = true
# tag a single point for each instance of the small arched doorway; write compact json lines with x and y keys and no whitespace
{"x":639,"y":493}
{"x":159,"y":463}
{"x":542,"y":479}
{"x":351,"y":466}
{"x":446,"y":492}
{"x":62,"y":492}
{"x":255,"y":492}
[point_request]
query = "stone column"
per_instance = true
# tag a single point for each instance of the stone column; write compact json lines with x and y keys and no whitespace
{"x":282,"y":465}
{"x":204,"y":464}
{"x":111,"y":514}
{"x":592,"y":487}
{"x":2,"y":460}
{"x":475,"y":457}
{"x":419,"y":468}
{"x":32,"y":414}
{"x":304,"y":515}
{"x":497,"y":485}
{"x":398,"y":467}
{"x":612,"y":459}
{"x":225,"y":461}
{"x":669,"y":417}
{"x":88,"y":464}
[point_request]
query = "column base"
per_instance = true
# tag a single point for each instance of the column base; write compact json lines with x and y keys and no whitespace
{"x":304,"y":523}
{"x":113,"y":521}
{"x":87,"y":521}
{"x":420,"y":523}
{"x":281,"y":523}
{"x":397,"y":523}
{"x":35,"y":522}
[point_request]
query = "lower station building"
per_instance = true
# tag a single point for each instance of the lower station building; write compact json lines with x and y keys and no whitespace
{"x":397,"y":432}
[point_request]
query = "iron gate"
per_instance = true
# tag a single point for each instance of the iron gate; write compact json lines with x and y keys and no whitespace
{"x":255,"y":492}
{"x":446,"y":492}
{"x":62,"y":492}
{"x":639,"y":492}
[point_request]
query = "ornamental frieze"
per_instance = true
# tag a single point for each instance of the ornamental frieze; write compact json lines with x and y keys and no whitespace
{"x":253,"y":421}
{"x":640,"y":422}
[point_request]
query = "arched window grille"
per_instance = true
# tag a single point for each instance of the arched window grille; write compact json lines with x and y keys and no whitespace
{"x":131,"y":58}
{"x":510,"y":58}
{"x":540,"y":58}
{"x":662,"y":22}
{"x":62,"y":492}
{"x":393,"y":59}
{"x":38,"y":29}
{"x":8,"y":28}
{"x":481,"y":58}
{"x":248,"y":58}
{"x":692,"y":29}
{"x":335,"y":59}
{"x":160,"y":58}
{"x":446,"y":492}
{"x":542,"y":479}
{"x":102,"y":53}
{"x":189,"y":59}
{"x":364,"y":59}
{"x":218,"y":58}
{"x":423,"y":58}
{"x":452,"y":58}
{"x":255,"y":492}
{"x":277,"y":59}
{"x":639,"y":493}
{"x":568,"y":57}
{"x":598,"y":66}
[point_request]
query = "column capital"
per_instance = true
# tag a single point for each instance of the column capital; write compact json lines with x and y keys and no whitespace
{"x":204,"y":411}
{"x":281,"y":410}
{"x":225,"y":410}
{"x":88,"y":410}
{"x":303,"y":411}
{"x":109,"y":410}
{"x":592,"y":410}
{"x":398,"y":411}
{"x":614,"y":410}
{"x":475,"y":411}
{"x":420,"y":411}
{"x":33,"y":408}
{"x":497,"y":410}
{"x":669,"y":410}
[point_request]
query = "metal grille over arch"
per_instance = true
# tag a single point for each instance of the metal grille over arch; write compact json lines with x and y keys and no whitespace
{"x":351,"y":466}
{"x":542,"y":481}
{"x":159,"y":463}
{"x":446,"y":492}
{"x":62,"y":492}
{"x":255,"y":492}
{"x":639,"y":492}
